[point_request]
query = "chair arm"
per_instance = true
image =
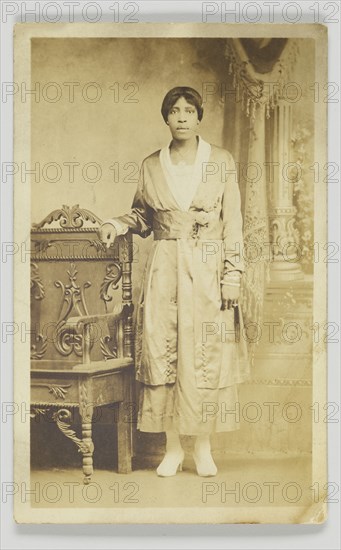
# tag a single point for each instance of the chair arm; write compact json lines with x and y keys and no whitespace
{"x":84,"y":320}
{"x":84,"y":323}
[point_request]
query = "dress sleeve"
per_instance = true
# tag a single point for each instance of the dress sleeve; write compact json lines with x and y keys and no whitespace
{"x":120,"y":229}
{"x":232,"y":219}
{"x":139,"y":219}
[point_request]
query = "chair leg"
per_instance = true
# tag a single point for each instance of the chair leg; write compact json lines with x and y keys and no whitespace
{"x":88,"y":469}
{"x":87,"y":446}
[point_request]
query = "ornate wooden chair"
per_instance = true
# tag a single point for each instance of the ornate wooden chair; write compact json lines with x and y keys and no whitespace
{"x":82,"y":328}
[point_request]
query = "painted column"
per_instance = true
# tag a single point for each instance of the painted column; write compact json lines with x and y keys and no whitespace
{"x":284,"y":237}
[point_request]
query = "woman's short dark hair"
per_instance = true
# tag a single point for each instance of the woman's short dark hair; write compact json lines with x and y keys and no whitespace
{"x":192,"y":96}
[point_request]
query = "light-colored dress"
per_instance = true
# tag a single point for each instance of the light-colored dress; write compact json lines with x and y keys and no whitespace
{"x":187,"y":359}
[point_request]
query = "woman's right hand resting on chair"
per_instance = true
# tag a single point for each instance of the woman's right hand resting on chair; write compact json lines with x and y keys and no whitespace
{"x":107,"y":234}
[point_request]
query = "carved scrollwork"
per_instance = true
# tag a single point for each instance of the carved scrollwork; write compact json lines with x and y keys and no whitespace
{"x":67,"y":339}
{"x":37,"y":287}
{"x":111,"y":345}
{"x":125,"y":250}
{"x":38,"y":349}
{"x":59,"y":392}
{"x":62,"y":417}
{"x":69,"y":217}
{"x":36,"y":411}
{"x":111,"y":279}
{"x":85,"y":402}
{"x":109,"y":351}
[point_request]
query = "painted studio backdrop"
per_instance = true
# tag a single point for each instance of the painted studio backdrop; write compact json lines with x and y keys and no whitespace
{"x":96,"y":116}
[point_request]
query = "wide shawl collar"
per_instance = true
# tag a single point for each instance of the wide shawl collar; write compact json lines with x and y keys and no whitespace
{"x":202,"y":156}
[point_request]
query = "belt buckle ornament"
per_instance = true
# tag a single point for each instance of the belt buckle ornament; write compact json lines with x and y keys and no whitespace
{"x":195,"y":231}
{"x":201,"y":219}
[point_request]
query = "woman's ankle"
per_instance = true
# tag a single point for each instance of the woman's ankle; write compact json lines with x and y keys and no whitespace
{"x":173,"y":443}
{"x":202,"y":443}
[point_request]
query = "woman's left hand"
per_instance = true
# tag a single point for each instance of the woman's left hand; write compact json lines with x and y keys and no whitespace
{"x":229,"y":296}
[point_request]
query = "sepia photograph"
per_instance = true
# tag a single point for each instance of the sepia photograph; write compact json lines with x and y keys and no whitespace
{"x":170,"y":292}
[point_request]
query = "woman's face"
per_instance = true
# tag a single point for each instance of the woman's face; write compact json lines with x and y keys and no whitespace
{"x":183,"y":119}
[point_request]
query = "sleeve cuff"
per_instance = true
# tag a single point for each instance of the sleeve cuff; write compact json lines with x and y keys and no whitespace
{"x":120,"y":229}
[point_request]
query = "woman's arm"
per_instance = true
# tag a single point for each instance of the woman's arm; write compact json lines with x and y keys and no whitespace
{"x":233,"y":221}
{"x":139,"y":220}
{"x":232,"y":237}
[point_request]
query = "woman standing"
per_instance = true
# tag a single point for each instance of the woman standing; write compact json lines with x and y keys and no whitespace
{"x":188,"y":356}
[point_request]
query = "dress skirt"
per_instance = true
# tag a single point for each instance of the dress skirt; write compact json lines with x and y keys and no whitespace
{"x":186,"y":409}
{"x":181,"y":405}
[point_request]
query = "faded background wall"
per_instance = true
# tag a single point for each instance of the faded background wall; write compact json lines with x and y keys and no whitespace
{"x":113,"y":129}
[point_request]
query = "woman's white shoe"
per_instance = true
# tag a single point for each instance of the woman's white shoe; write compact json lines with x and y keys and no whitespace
{"x":170,"y":464}
{"x":205,"y":464}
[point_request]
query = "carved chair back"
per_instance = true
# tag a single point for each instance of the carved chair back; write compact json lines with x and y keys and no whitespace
{"x":73,"y":273}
